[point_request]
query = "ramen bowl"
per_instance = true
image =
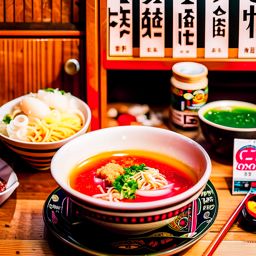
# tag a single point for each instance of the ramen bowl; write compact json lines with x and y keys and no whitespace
{"x":131,"y":216}
{"x":39,"y":154}
{"x":225,"y":120}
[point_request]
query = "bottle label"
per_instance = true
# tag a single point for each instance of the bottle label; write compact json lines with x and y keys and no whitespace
{"x":185,"y":104}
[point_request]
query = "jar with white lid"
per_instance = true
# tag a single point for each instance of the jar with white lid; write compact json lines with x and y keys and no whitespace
{"x":189,"y":91}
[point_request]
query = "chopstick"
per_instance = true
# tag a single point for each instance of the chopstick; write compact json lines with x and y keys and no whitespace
{"x":216,"y":241}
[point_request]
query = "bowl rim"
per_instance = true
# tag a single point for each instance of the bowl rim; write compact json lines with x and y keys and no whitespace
{"x":86,"y":125}
{"x":126,"y":205}
{"x":225,"y":103}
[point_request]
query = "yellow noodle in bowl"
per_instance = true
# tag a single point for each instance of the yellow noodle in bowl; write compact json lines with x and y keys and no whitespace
{"x":42,"y":137}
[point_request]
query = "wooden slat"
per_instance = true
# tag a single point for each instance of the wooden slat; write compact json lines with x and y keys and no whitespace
{"x":42,"y":64}
{"x":42,"y":33}
{"x":57,"y":62}
{"x":9,"y":10}
{"x":37,"y":11}
{"x":2,"y":72}
{"x":56,"y":11}
{"x":19,"y":10}
{"x":1,"y":11}
{"x":47,"y":12}
{"x":66,"y":11}
{"x":76,"y":14}
{"x":6,"y":70}
{"x":48,"y":63}
{"x":28,"y":11}
{"x":30,"y":64}
{"x":25,"y":65}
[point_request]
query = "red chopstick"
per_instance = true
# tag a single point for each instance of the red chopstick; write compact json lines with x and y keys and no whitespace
{"x":216,"y":241}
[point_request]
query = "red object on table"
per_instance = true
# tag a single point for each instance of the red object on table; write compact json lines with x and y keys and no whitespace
{"x":126,"y":119}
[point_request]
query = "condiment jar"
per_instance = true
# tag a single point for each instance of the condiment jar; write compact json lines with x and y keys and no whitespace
{"x":189,"y":91}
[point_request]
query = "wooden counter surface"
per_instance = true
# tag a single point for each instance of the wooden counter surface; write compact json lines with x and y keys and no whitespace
{"x":22,"y":229}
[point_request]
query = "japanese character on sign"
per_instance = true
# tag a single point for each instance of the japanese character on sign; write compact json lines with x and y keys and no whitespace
{"x":216,"y":28}
{"x":152,"y":28}
{"x":185,"y":28}
{"x":120,"y":27}
{"x":247,"y":31}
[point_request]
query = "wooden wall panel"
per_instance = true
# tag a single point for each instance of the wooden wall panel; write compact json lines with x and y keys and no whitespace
{"x":37,"y":11}
{"x":47,"y":10}
{"x":42,"y":11}
{"x":56,"y":11}
{"x":30,"y":64}
{"x":76,"y":9}
{"x":9,"y":6}
{"x":66,"y":11}
{"x":28,"y":11}
{"x":1,"y":11}
{"x":19,"y":11}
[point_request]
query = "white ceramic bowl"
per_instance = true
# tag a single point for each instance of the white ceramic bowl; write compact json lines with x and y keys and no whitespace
{"x":220,"y":138}
{"x":125,"y":217}
{"x":11,"y":179}
{"x":39,"y":155}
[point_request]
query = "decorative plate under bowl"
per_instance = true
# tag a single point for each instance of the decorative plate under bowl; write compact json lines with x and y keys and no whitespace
{"x":86,"y":237}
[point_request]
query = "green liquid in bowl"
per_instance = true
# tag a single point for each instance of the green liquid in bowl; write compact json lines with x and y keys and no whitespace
{"x":236,"y":117}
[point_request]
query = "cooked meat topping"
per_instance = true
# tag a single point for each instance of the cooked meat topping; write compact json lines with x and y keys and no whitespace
{"x":110,"y":172}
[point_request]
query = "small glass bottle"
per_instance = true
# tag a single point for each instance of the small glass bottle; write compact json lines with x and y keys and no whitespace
{"x":189,"y":91}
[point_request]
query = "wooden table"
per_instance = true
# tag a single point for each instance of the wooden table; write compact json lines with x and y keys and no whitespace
{"x":22,"y":229}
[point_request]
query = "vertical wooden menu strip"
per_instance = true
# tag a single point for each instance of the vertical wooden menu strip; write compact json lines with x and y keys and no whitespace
{"x":19,"y":11}
{"x":37,"y":11}
{"x":66,"y":11}
{"x":28,"y":10}
{"x":47,"y":11}
{"x":56,"y":11}
{"x":1,"y":11}
{"x":9,"y":10}
{"x":76,"y":15}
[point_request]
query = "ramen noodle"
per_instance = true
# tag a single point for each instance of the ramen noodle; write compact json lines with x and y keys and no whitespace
{"x":47,"y":116}
{"x":131,"y":176}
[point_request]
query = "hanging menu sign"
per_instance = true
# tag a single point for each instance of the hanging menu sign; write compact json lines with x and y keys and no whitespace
{"x":184,"y":28}
{"x":152,"y":20}
{"x":247,"y":29}
{"x":216,"y":28}
{"x":120,"y":27}
{"x":189,"y":28}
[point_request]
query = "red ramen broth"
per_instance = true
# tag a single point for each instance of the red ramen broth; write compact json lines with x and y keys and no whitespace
{"x":83,"y":178}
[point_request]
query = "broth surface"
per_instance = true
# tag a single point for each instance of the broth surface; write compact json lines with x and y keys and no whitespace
{"x":82,"y":177}
{"x":237,"y":117}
